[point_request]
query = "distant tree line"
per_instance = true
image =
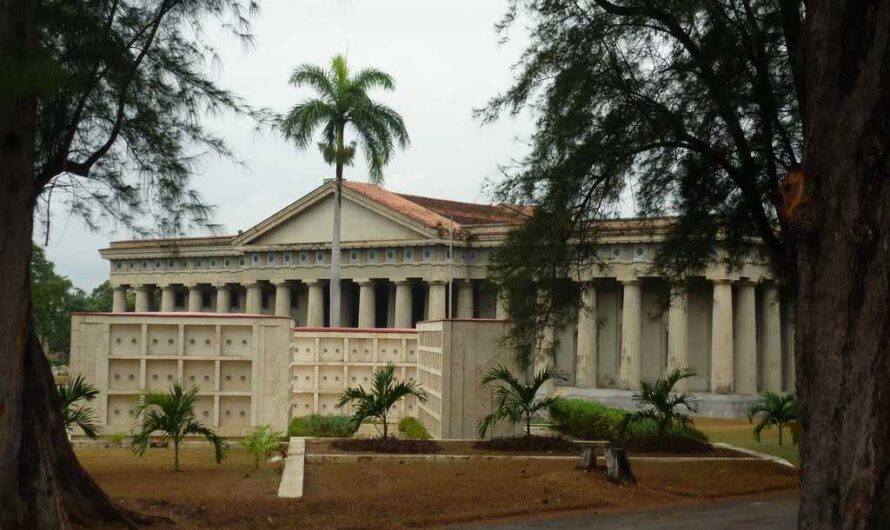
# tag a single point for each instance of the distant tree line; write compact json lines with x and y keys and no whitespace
{"x":55,"y":298}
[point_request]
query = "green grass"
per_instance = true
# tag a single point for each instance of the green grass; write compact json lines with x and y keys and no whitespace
{"x":741,"y":434}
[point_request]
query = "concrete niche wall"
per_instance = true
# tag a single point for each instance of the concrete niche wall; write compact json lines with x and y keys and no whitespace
{"x":240,"y":364}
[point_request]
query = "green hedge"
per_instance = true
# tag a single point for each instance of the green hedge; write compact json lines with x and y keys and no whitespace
{"x":589,"y":420}
{"x":412,"y":429}
{"x":318,"y":426}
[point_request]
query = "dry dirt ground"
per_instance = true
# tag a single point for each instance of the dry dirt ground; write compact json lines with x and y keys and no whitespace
{"x":394,"y":495}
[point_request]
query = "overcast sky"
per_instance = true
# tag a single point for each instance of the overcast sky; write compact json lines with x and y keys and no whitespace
{"x":446,"y":58}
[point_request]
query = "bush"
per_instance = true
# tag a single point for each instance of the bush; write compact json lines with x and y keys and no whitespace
{"x":262,"y":442}
{"x":585,"y":420}
{"x":412,"y":429}
{"x":530,"y":443}
{"x":117,"y":439}
{"x":589,"y":420}
{"x":387,"y":445}
{"x":318,"y":426}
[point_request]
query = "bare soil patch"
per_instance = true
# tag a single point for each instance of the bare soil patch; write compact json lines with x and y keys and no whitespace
{"x":401,"y":494}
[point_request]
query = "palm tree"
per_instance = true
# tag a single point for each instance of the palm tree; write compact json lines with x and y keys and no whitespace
{"x":773,"y":409}
{"x":660,"y":404}
{"x":262,"y":442}
{"x":385,"y":391}
{"x":77,"y":389}
{"x":173,"y":415}
{"x":515,"y":401}
{"x":343,"y":106}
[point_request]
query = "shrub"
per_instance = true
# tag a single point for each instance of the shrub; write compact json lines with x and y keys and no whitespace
{"x":589,"y":420}
{"x":531,"y":443}
{"x":412,"y":429}
{"x":262,"y":442}
{"x":585,"y":420}
{"x":318,"y":426}
{"x":388,"y":445}
{"x":117,"y":439}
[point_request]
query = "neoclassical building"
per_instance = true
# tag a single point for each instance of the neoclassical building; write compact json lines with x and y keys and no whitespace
{"x":407,"y":259}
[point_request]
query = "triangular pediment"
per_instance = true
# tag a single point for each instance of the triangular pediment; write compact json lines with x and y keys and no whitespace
{"x":310,"y":220}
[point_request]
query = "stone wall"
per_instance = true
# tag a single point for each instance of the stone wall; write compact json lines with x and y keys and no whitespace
{"x":239,"y":363}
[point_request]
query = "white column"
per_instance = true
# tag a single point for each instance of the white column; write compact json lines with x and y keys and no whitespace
{"x":119,"y":300}
{"x":223,"y":298}
{"x":721,"y":338}
{"x":403,"y":305}
{"x":142,"y":298}
{"x":436,"y":300}
{"x":254,"y":303}
{"x":678,"y":334}
{"x":500,"y":308}
{"x":464,"y":298}
{"x":282,"y":299}
{"x":631,"y":331}
{"x":772,"y":339}
{"x":194,"y":305}
{"x":745,"y":339}
{"x":168,"y":299}
{"x":585,"y":373}
{"x":315,"y":307}
{"x":367,"y":304}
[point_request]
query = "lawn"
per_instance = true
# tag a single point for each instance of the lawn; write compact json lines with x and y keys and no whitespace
{"x":740,"y":433}
{"x":403,"y":494}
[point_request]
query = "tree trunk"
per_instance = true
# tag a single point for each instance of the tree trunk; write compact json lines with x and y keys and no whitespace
{"x":780,"y":434}
{"x":334,"y":320}
{"x":175,"y":455}
{"x":842,"y":234}
{"x":42,"y":486}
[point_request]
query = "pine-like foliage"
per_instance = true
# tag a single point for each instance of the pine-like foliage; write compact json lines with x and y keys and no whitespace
{"x":377,"y":402}
{"x":123,"y":93}
{"x":692,"y":107}
{"x":171,"y":415}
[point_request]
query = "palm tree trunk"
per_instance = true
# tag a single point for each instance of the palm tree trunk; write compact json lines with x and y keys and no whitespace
{"x":780,"y":434}
{"x":385,"y":428}
{"x":176,"y":455}
{"x":528,"y":424}
{"x":334,"y":320}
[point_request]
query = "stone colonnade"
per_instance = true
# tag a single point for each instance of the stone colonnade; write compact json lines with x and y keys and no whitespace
{"x":734,"y":337}
{"x":249,"y":298}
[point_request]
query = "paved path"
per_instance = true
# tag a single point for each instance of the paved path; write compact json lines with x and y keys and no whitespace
{"x":767,"y":513}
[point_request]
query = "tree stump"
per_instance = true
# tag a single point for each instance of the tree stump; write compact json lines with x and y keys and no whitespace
{"x":618,"y":466}
{"x":588,"y":459}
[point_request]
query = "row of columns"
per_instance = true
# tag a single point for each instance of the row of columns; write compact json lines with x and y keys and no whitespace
{"x":403,"y":304}
{"x":734,"y":364}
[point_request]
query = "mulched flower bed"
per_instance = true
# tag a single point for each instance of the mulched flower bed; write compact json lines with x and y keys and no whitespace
{"x":390,"y":445}
{"x":536,"y":444}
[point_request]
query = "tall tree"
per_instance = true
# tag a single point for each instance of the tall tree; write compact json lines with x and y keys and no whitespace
{"x":343,"y":106}
{"x":99,"y":109}
{"x":702,"y":108}
{"x":54,"y":298}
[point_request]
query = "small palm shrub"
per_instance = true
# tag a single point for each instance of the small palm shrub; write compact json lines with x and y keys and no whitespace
{"x":517,"y":402}
{"x":384,"y":393}
{"x":172,"y":414}
{"x":73,"y":413}
{"x":318,"y":426}
{"x":773,"y":409}
{"x":659,"y":404}
{"x":262,"y":442}
{"x":117,"y":439}
{"x":412,"y":429}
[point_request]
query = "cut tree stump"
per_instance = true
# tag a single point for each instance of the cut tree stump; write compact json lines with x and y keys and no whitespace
{"x":588,"y":459}
{"x":618,"y":466}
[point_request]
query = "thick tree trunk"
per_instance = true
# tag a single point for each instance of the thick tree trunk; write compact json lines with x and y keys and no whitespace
{"x":42,"y":486}
{"x":842,"y":233}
